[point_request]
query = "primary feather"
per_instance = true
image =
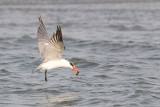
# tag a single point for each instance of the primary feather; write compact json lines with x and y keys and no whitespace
{"x":50,"y":49}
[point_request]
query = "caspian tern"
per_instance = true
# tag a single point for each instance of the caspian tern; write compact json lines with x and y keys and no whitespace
{"x":51,"y":50}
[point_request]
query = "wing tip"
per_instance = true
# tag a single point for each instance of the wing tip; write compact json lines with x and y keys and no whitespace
{"x":59,"y":33}
{"x":40,"y":18}
{"x":58,"y":27}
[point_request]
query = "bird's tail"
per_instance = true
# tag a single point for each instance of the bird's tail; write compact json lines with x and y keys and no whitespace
{"x":38,"y":69}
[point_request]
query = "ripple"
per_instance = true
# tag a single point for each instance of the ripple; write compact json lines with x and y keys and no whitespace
{"x":138,"y":28}
{"x":83,"y":62}
{"x":139,"y":92}
{"x":21,"y":91}
{"x":154,"y":78}
{"x":88,"y":43}
{"x":101,"y":76}
{"x":48,"y":90}
{"x":25,"y":39}
{"x":141,"y":81}
{"x":4,"y":72}
{"x":156,"y":97}
{"x":123,"y":27}
{"x":118,"y":27}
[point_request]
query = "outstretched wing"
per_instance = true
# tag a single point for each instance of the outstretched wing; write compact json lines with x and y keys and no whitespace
{"x":50,"y":49}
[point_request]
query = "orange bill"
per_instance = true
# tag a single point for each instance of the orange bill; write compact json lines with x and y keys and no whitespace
{"x":75,"y":70}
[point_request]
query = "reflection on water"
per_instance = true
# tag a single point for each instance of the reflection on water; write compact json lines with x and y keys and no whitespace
{"x":66,"y":100}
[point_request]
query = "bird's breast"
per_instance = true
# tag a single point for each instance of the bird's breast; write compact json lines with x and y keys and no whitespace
{"x":53,"y":64}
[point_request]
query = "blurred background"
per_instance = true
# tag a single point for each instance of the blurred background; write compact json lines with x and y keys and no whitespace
{"x":114,"y":43}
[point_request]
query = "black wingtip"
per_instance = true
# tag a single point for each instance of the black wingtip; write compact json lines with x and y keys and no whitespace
{"x":59,"y":27}
{"x":40,"y":18}
{"x":58,"y":36}
{"x":59,"y":32}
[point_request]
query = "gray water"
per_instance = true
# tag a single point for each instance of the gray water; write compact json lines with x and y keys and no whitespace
{"x":116,"y":47}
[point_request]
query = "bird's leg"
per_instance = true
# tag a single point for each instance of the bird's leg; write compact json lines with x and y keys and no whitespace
{"x":46,"y":75}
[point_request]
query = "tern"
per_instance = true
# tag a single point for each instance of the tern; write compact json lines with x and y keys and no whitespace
{"x":51,"y":50}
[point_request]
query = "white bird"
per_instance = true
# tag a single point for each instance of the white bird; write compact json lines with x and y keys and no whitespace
{"x":51,"y":50}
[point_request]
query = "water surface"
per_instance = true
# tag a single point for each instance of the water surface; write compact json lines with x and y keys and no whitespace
{"x":116,"y":47}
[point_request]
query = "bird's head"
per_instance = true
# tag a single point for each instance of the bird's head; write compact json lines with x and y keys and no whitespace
{"x":72,"y":66}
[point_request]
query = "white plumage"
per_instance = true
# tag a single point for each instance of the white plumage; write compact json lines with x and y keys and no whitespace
{"x":51,"y":50}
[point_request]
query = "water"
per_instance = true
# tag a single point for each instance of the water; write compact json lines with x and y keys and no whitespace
{"x":116,"y":47}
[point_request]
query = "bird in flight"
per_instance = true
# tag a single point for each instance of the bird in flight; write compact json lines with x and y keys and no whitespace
{"x":51,"y":50}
